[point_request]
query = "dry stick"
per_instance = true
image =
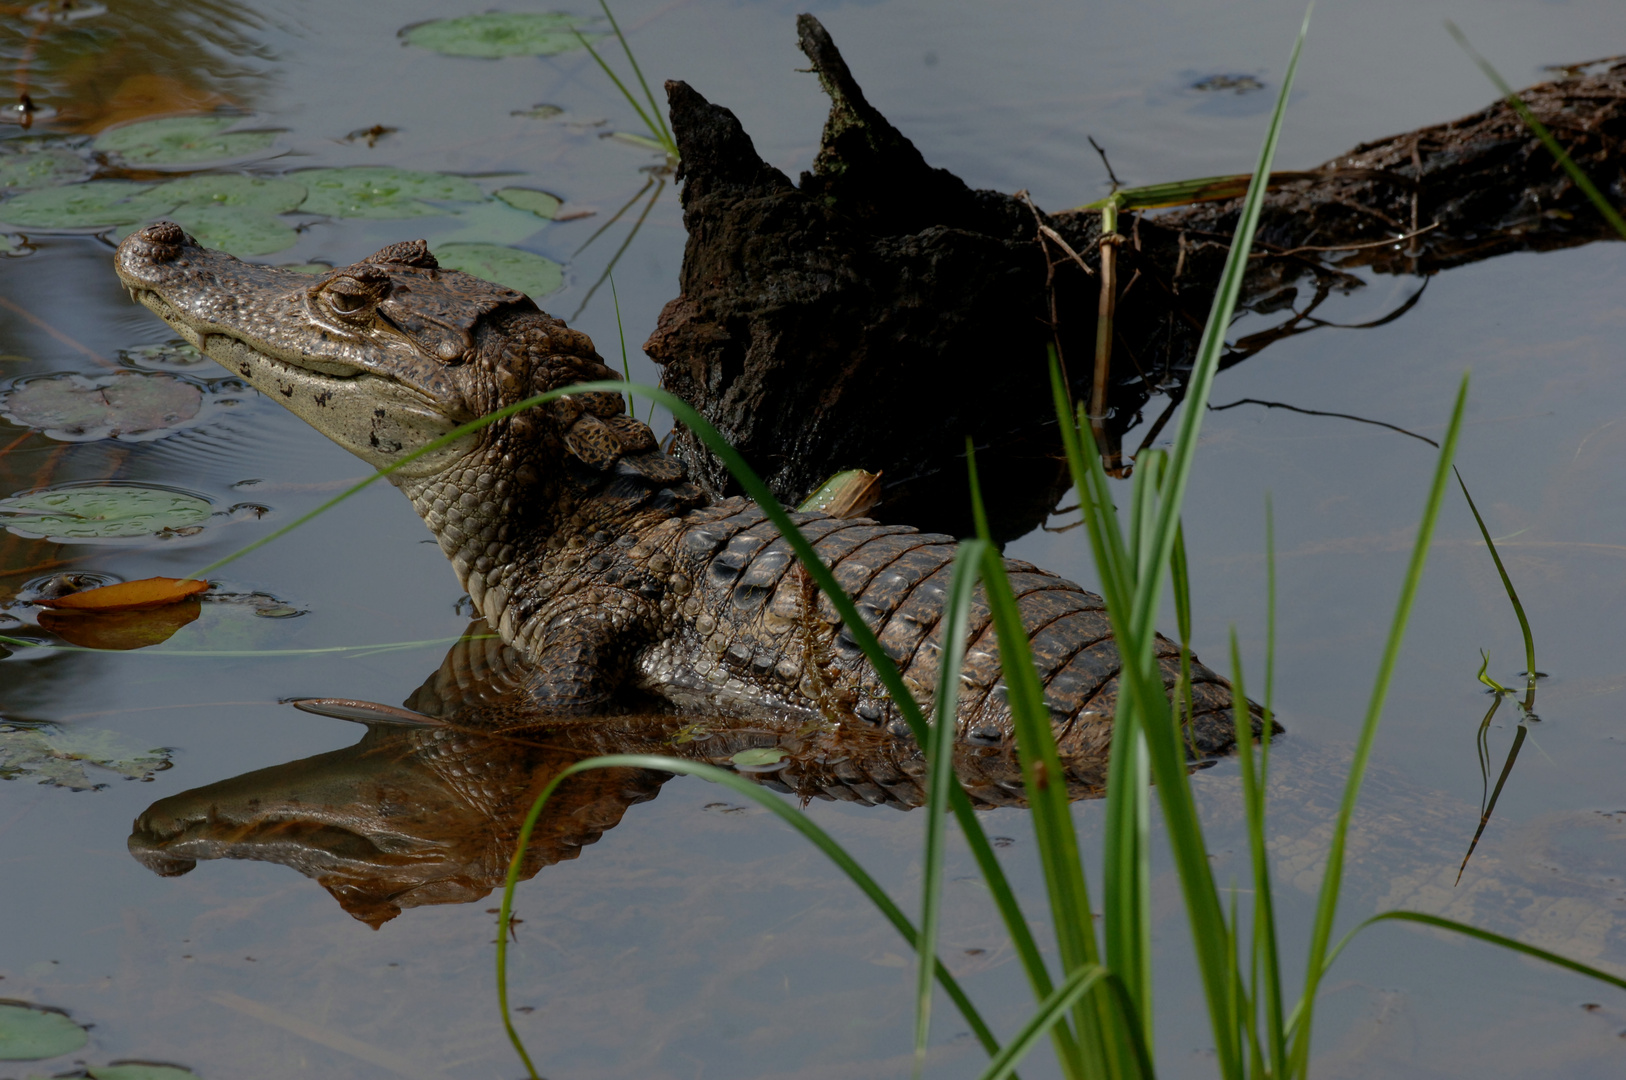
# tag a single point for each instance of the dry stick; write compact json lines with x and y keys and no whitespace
{"x":1111,"y":461}
{"x":54,"y":332}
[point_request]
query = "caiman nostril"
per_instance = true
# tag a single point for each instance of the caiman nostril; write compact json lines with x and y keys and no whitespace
{"x":164,"y":232}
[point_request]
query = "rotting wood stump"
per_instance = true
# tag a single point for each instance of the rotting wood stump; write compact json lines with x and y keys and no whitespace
{"x":881,"y":312}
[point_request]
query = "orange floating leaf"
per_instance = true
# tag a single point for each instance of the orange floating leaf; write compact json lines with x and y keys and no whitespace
{"x":130,"y":595}
{"x":121,"y":630}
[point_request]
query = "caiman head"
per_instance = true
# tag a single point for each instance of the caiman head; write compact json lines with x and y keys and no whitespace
{"x":393,"y":352}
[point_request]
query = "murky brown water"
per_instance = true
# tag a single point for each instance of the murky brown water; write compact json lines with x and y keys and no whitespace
{"x":695,"y":940}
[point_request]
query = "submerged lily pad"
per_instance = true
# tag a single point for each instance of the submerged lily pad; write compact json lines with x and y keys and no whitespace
{"x":379,"y":191}
{"x":42,"y":168}
{"x":94,"y":204}
{"x":178,"y":140}
{"x":139,"y":1070}
{"x":236,"y":230}
{"x":102,"y":512}
{"x":72,"y":408}
{"x":539,"y":203}
{"x":34,"y":1034}
{"x":496,"y":34}
{"x":526,"y":271}
{"x":70,"y":759}
{"x":259,"y":193}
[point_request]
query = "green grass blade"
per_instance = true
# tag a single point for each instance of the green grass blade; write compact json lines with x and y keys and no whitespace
{"x":940,"y":778}
{"x":663,"y":134}
{"x":626,"y":367}
{"x":1054,"y":1008}
{"x":387,"y":646}
{"x":1507,"y":583}
{"x":428,"y":448}
{"x":1212,"y":344}
{"x":768,"y":801}
{"x":655,"y":131}
{"x":1511,"y":944}
{"x":1042,"y":777}
{"x":1264,"y":941}
{"x":1004,"y":896}
{"x":1580,"y":178}
{"x":1331,"y":882}
{"x":1187,"y":192}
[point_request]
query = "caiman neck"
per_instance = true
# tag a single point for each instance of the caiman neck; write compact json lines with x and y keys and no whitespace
{"x":499,"y":512}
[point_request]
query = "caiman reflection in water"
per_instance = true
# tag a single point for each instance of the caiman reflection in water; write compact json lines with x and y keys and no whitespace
{"x":427,"y":807}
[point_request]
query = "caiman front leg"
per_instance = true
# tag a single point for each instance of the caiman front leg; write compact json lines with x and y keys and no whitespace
{"x":580,"y":662}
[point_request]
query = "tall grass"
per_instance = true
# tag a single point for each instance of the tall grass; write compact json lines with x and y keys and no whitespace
{"x":1097,"y":1007}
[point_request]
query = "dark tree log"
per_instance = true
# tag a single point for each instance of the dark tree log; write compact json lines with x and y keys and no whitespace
{"x":881,"y":312}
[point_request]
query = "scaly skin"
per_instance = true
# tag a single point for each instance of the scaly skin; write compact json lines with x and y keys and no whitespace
{"x":585,"y":546}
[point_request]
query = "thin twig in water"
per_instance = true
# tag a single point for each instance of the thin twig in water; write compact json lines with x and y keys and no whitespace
{"x":1318,"y":412}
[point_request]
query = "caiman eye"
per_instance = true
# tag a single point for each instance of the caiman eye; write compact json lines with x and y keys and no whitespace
{"x":353,"y":298}
{"x":345,"y":303}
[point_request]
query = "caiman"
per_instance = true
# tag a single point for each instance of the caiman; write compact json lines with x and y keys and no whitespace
{"x":584,"y":545}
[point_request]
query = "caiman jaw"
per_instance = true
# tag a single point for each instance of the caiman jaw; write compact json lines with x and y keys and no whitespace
{"x":374,"y":393}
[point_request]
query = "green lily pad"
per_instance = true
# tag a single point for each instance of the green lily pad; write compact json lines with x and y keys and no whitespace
{"x":496,"y":34}
{"x":492,"y":223}
{"x":539,"y":203}
{"x":236,"y":190}
{"x":34,"y":1034}
{"x":43,"y":168}
{"x":236,"y":230}
{"x":72,"y":408}
{"x":178,"y":140}
{"x":102,"y":512}
{"x":139,"y":1070}
{"x":94,"y":204}
{"x":379,"y":191}
{"x":71,"y":759}
{"x":760,"y":756}
{"x":526,"y":271}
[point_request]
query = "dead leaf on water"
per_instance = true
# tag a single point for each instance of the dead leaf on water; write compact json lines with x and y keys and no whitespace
{"x":120,"y":631}
{"x":130,"y":595}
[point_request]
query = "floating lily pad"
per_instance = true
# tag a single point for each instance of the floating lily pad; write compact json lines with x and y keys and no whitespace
{"x":139,"y":1070}
{"x":72,"y":408}
{"x":492,"y":223}
{"x":72,"y":760}
{"x":539,"y":203}
{"x":268,"y":196}
{"x":42,"y":168}
{"x":760,"y":759}
{"x":103,"y":512}
{"x":173,"y":354}
{"x":34,"y":1034}
{"x":235,"y":230}
{"x":496,"y":34}
{"x":379,"y":191}
{"x":179,"y":140}
{"x":526,"y":271}
{"x":94,"y":204}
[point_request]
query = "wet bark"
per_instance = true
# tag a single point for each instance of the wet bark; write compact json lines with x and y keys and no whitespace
{"x":880,"y":312}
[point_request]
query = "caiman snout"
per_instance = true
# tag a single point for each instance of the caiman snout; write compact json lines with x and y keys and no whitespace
{"x":158,"y":243}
